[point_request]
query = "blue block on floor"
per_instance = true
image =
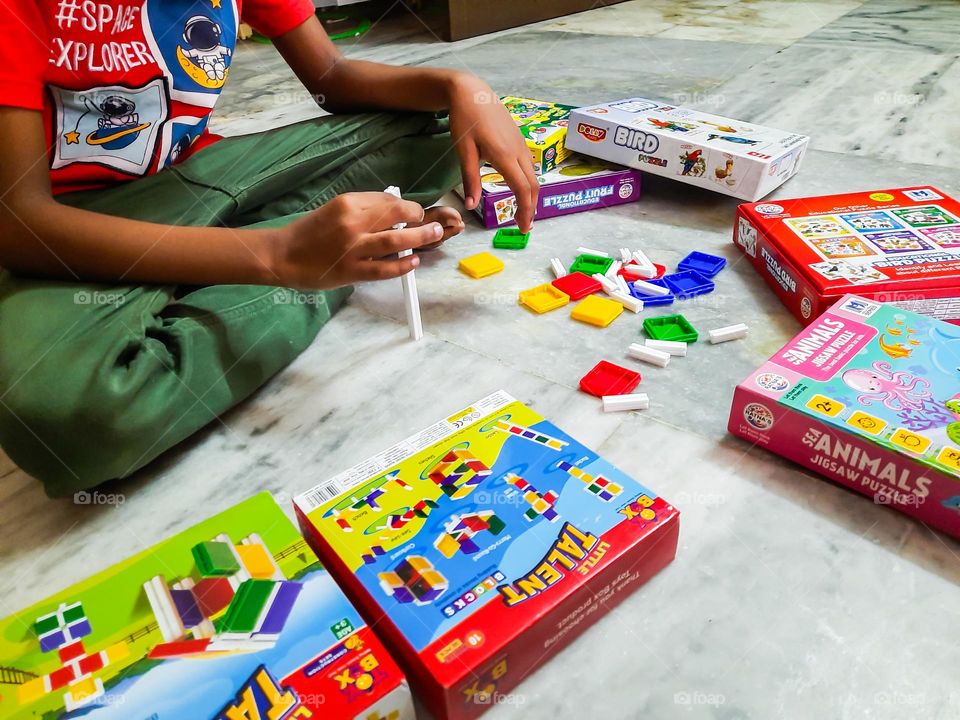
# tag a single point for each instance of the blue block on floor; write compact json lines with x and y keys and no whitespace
{"x":653,"y":300}
{"x":688,"y":283}
{"x":703,"y":263}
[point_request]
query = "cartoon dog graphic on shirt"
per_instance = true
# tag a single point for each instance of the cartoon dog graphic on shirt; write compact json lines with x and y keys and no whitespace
{"x":203,"y":57}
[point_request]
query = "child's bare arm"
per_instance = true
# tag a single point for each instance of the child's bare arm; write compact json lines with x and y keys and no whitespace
{"x":339,"y":243}
{"x":480,"y":125}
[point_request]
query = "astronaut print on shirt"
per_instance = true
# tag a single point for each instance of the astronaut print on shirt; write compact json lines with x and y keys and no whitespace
{"x":184,"y":48}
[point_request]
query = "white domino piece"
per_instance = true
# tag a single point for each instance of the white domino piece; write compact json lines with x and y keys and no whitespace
{"x":613,"y":269}
{"x":725,"y":334}
{"x":590,"y":251}
{"x":609,"y":286}
{"x":411,"y":298}
{"x":618,"y":403}
{"x":647,"y":272}
{"x":673,"y":347}
{"x":628,"y":301}
{"x":558,"y":269}
{"x":621,"y":284}
{"x":625,"y":255}
{"x":642,"y":260}
{"x":648,"y":355}
{"x":646,"y":288}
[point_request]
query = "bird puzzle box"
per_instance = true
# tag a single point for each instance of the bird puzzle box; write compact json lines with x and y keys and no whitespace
{"x":900,"y":246}
{"x":483,"y":545}
{"x":713,"y":152}
{"x":577,"y":184}
{"x":544,"y":129}
{"x":233,"y":618}
{"x":867,"y":396}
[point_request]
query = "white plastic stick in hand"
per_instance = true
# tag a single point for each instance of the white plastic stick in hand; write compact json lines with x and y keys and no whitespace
{"x":646,"y":288}
{"x":631,"y":303}
{"x":590,"y":251}
{"x":648,"y":355}
{"x":559,"y":270}
{"x":608,"y":285}
{"x":731,"y":332}
{"x":411,"y":298}
{"x":674,"y":347}
{"x":616,"y":403}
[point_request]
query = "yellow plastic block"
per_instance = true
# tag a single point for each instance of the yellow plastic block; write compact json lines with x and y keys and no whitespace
{"x":31,"y":690}
{"x":118,"y":651}
{"x":596,"y":310}
{"x":544,"y":298}
{"x":481,"y":265}
{"x":447,"y":546}
{"x":83,"y":689}
{"x":256,"y":560}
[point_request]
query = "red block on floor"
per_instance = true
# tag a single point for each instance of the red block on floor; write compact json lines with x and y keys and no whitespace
{"x":577,"y":285}
{"x":630,"y":277}
{"x":608,"y":379}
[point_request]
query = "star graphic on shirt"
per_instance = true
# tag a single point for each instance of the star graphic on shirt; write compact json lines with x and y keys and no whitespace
{"x":215,"y":3}
{"x":73,"y":137}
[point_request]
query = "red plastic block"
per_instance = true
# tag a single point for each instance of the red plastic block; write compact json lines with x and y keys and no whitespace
{"x":90,"y":664}
{"x":213,"y":595}
{"x":577,"y":285}
{"x":71,"y":651}
{"x":178,"y":648}
{"x":61,"y":677}
{"x":630,"y":277}
{"x":608,"y":379}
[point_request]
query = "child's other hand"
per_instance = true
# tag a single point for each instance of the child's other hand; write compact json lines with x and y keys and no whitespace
{"x":351,"y":239}
{"x":449,"y":220}
{"x":483,"y":129}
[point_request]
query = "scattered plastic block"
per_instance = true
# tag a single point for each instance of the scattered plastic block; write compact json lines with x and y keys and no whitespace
{"x":653,"y":300}
{"x":621,"y":284}
{"x":647,"y":288}
{"x":625,"y":255}
{"x":590,"y":251}
{"x":215,"y":559}
{"x":481,"y":265}
{"x":608,"y":285}
{"x":544,"y":298}
{"x":591,"y":264}
{"x":577,"y":285}
{"x":674,"y":347}
{"x":605,"y":378}
{"x":614,"y":268}
{"x":670,"y":327}
{"x":618,"y":403}
{"x":658,"y":272}
{"x":688,"y":283}
{"x":557,"y":267}
{"x":648,"y":355}
{"x":630,"y":302}
{"x":725,"y":334}
{"x":596,"y":310}
{"x":640,"y":271}
{"x":510,"y":239}
{"x":703,"y":263}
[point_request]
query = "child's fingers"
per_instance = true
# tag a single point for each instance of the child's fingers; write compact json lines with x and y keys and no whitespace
{"x":470,"y":171}
{"x":517,"y":181}
{"x":389,"y":242}
{"x":382,"y":211}
{"x":386,"y":269}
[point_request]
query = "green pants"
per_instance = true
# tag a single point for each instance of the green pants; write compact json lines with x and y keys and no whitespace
{"x":98,"y":380}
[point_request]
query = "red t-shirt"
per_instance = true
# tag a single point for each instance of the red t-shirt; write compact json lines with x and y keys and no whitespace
{"x":126,"y":87}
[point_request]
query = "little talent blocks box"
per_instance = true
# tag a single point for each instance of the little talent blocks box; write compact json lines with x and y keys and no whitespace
{"x":867,"y":396}
{"x":900,"y":246}
{"x":713,"y":152}
{"x":483,"y":545}
{"x":544,"y":128}
{"x":232,"y":618}
{"x":577,"y":184}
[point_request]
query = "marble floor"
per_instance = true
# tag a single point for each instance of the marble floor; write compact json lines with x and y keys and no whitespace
{"x":789,"y":598}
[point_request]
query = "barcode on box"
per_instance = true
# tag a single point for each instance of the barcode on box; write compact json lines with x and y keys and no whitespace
{"x":318,"y":496}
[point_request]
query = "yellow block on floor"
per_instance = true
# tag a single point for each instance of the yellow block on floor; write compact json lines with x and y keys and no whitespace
{"x":544,"y":298}
{"x":481,"y":265}
{"x":596,"y":310}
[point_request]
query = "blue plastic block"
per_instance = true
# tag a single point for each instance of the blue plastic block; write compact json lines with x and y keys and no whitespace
{"x":688,"y":283}
{"x":653,"y":300}
{"x":706,"y":265}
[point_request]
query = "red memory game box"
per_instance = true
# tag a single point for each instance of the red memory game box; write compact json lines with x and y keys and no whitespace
{"x":900,"y":246}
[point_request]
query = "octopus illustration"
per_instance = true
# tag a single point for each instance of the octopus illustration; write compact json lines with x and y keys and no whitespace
{"x":896,"y":390}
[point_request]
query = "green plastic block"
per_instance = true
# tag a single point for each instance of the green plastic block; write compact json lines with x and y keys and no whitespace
{"x":45,"y":624}
{"x":670,"y":327}
{"x":590,"y":265}
{"x":215,"y":559}
{"x":510,"y":239}
{"x":246,"y":606}
{"x":73,"y":613}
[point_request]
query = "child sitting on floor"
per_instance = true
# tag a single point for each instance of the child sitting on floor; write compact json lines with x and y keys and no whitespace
{"x":143,"y":256}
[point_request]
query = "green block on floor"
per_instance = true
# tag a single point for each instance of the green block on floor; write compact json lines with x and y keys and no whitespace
{"x":590,"y":265}
{"x":670,"y":327}
{"x":246,"y":607}
{"x":215,"y":559}
{"x":510,"y":239}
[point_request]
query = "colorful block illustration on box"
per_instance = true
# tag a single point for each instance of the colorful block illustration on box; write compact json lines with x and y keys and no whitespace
{"x":900,"y":245}
{"x":230,"y":616}
{"x":544,"y":128}
{"x":463,"y":576}
{"x":867,"y":395}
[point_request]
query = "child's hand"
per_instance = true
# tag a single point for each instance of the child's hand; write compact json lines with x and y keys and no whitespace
{"x":482,"y":128}
{"x":449,"y":220}
{"x":350,"y":239}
